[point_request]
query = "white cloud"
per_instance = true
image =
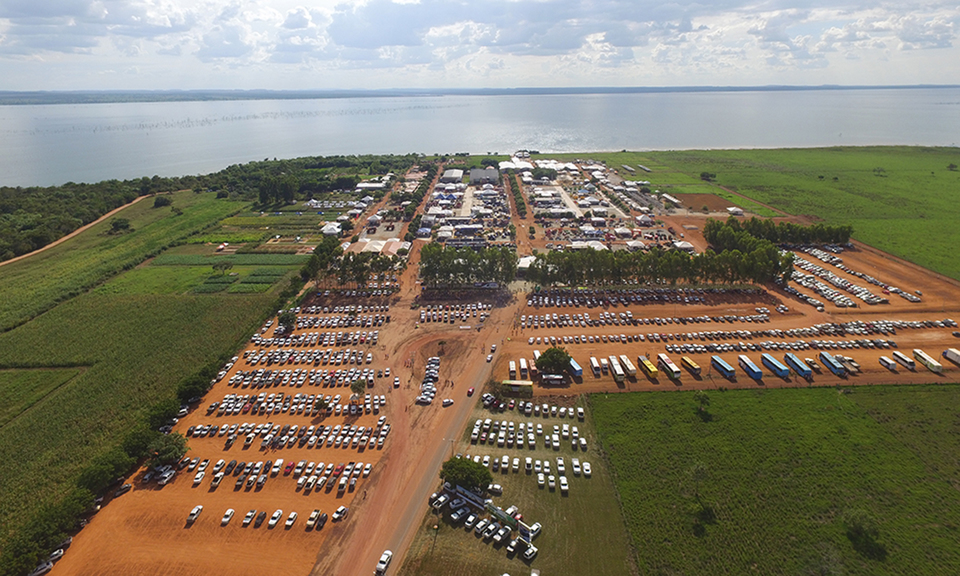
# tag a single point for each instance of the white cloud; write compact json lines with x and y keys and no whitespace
{"x":269,"y":43}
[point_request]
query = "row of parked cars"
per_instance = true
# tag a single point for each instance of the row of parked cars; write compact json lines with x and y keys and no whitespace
{"x":316,"y":521}
{"x":428,"y":388}
{"x":487,"y":528}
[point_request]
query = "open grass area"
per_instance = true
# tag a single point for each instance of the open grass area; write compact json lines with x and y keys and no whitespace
{"x":36,"y":284}
{"x":765,"y":484}
{"x":135,"y":347}
{"x":898,"y":199}
{"x":583,"y":533}
{"x":21,"y":389}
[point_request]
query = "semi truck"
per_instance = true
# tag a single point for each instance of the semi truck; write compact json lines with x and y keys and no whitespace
{"x":749,"y":367}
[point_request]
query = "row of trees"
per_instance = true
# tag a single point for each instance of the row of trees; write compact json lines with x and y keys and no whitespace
{"x":416,"y":197}
{"x":587,"y":267}
{"x":457,"y":267}
{"x":513,"y":188}
{"x":729,"y":234}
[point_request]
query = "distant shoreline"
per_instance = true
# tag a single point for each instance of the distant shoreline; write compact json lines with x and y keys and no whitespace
{"x":40,"y":97}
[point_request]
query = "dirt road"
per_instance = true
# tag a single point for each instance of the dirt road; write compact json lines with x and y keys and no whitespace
{"x":74,"y":233}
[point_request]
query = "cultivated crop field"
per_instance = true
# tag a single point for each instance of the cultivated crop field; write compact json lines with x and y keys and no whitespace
{"x":766,"y":482}
{"x":21,"y":389}
{"x":36,"y":284}
{"x":583,"y":532}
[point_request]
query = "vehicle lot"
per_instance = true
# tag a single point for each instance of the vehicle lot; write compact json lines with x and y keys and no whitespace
{"x":582,"y":532}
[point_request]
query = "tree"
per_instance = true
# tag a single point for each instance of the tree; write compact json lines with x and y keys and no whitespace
{"x":288,"y":320}
{"x":99,"y":473}
{"x":702,"y":400}
{"x":222,"y":266}
{"x":161,"y":201}
{"x":707,"y":176}
{"x":952,"y":167}
{"x":357,"y":386}
{"x":554,"y":360}
{"x":119,"y":225}
{"x":167,"y":449}
{"x":863,"y":532}
{"x":466,"y":473}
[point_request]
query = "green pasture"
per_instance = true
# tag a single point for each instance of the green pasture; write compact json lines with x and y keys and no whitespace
{"x":157,"y":279}
{"x":764,"y":481}
{"x":36,"y":284}
{"x":583,"y":532}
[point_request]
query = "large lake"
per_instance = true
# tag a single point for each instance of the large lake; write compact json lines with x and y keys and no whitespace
{"x":53,"y":144}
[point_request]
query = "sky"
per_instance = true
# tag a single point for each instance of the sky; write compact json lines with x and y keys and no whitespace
{"x":370,"y":44}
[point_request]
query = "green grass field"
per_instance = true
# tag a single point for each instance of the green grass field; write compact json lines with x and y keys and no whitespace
{"x":899,"y":199}
{"x":583,"y":533}
{"x":110,"y":343}
{"x":763,"y":486}
{"x":21,"y":389}
{"x":36,"y":284}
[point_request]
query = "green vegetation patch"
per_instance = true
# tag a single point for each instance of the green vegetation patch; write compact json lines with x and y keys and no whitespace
{"x":221,"y":236}
{"x":34,"y":285}
{"x":137,"y":347}
{"x":899,"y":199}
{"x":765,"y":482}
{"x":21,"y":389}
{"x":235,"y":259}
{"x":249,"y":288}
{"x":155,"y":280}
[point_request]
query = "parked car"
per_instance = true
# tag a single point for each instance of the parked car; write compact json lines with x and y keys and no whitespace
{"x":227,"y":516}
{"x":385,"y":559}
{"x":340,"y":513}
{"x":275,"y":518}
{"x":194,"y":514}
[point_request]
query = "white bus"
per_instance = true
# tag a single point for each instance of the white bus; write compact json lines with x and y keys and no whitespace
{"x":923,"y":358}
{"x":903,"y":359}
{"x":523,"y":367}
{"x":513,"y":370}
{"x":628,"y":366}
{"x":595,"y":366}
{"x":618,"y":374}
{"x":667,"y":365}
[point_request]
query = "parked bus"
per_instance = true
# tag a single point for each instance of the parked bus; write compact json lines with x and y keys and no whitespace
{"x":668,"y":367}
{"x":925,"y":359}
{"x":831,"y":363}
{"x":575,"y":368}
{"x":604,"y":365}
{"x":647,"y":366}
{"x":798,"y":365}
{"x":533,"y":369}
{"x":904,"y":360}
{"x":513,"y":370}
{"x":690,"y":365}
{"x":774,"y":365}
{"x":722,"y":367}
{"x":627,"y":365}
{"x":595,"y":366}
{"x":888,"y":363}
{"x":523,"y":368}
{"x":618,"y":374}
{"x":749,"y":367}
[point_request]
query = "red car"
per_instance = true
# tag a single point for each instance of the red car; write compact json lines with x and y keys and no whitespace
{"x":470,"y":391}
{"x":289,"y":467}
{"x":338,"y":470}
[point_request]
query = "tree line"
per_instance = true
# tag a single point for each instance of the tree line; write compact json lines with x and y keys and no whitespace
{"x":591,"y":267}
{"x":441,"y":266}
{"x":734,"y":234}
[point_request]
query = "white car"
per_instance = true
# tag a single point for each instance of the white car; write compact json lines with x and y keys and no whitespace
{"x":275,"y":518}
{"x":586,"y":469}
{"x":384,"y":561}
{"x":291,"y":519}
{"x":563,"y":484}
{"x":489,"y":357}
{"x":530,"y":552}
{"x":340,"y":513}
{"x":447,"y":402}
{"x":540,"y":480}
{"x":551,"y":481}
{"x":194,"y":514}
{"x":198,"y":478}
{"x":227,"y":516}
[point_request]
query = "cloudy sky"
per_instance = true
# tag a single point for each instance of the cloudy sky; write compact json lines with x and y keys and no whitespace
{"x":286,"y":44}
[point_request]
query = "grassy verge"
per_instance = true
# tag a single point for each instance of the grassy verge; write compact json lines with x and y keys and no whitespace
{"x":765,"y":484}
{"x":583,"y":532}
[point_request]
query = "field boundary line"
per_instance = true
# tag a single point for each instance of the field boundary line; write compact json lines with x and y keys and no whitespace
{"x":74,"y":233}
{"x":81,"y":371}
